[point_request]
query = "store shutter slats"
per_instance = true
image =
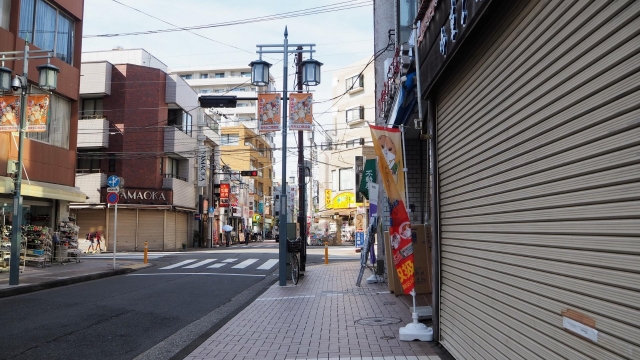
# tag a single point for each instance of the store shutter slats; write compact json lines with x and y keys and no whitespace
{"x":151,"y":229}
{"x":90,"y":221}
{"x":182,"y":224}
{"x":538,"y":151}
{"x":127,"y":224}
{"x":170,"y":231}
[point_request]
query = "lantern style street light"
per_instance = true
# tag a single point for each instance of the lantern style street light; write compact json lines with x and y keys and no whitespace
{"x":311,"y":72}
{"x":260,"y":77}
{"x":48,"y":80}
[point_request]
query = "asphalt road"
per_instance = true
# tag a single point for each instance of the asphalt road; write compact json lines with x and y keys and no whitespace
{"x":150,"y":314}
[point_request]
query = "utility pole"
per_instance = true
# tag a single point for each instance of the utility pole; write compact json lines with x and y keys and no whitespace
{"x":302,"y":213}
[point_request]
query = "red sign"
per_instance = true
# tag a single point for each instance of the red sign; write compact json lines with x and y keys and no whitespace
{"x":225,"y":190}
{"x":113,"y":198}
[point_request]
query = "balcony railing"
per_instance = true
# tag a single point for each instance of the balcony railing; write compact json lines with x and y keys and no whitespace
{"x":174,"y":176}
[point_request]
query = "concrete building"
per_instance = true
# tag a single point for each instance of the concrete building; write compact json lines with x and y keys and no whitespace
{"x":143,"y":125}
{"x":48,"y":184}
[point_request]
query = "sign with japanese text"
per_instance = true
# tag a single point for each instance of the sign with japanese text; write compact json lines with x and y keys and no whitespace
{"x":369,"y":175}
{"x":224,"y":195}
{"x":327,"y":199}
{"x":300,"y":111}
{"x":269,"y":112}
{"x":202,"y":166}
{"x":358,"y":170}
{"x":37,"y":113}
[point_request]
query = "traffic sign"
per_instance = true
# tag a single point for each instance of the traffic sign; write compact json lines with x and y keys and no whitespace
{"x":113,"y":181}
{"x":113,"y":189}
{"x":113,"y":198}
{"x":198,"y":216}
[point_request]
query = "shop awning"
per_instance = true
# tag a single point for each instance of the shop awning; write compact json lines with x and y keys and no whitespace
{"x":331,"y":212}
{"x":44,"y":190}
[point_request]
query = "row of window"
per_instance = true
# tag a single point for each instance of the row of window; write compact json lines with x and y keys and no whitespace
{"x":225,"y":90}
{"x":354,"y":114}
{"x":45,"y":26}
{"x":217,"y":75}
{"x":354,"y":83}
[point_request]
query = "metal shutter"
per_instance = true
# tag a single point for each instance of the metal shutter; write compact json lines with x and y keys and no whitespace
{"x":127,"y":223}
{"x":538,"y":137}
{"x":151,"y":229}
{"x":170,"y":231}
{"x":90,"y":221}
{"x":182,"y":226}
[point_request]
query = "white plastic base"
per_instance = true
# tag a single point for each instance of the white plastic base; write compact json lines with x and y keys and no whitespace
{"x":416,"y":331}
{"x":372,"y":279}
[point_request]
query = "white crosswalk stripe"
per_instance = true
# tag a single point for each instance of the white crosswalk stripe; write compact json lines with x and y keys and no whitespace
{"x":244,"y":264}
{"x":178,"y":264}
{"x":229,"y":260}
{"x":268,"y":264}
{"x":215,"y":266}
{"x":204,"y":262}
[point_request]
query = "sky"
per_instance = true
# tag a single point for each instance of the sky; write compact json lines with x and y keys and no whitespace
{"x":342,"y":38}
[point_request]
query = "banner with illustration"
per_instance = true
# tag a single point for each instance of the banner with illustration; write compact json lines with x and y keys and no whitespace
{"x":300,"y":111}
{"x":269,"y":112}
{"x":37,"y":114}
{"x":387,"y":143}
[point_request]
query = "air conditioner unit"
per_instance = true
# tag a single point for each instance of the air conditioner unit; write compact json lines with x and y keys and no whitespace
{"x":12,"y":167}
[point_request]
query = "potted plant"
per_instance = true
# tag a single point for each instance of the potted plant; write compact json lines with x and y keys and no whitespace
{"x":184,"y":246}
{"x":196,"y":238}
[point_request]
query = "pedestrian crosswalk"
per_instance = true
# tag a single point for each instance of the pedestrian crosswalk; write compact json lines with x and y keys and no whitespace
{"x":215,"y":264}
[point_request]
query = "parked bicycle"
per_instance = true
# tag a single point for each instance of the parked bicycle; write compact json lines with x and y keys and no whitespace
{"x":294,"y":247}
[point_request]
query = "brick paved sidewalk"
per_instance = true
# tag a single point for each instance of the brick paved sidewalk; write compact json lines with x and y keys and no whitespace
{"x":318,"y":319}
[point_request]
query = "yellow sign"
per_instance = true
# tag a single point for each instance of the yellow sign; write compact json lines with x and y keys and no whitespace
{"x":344,"y":200}
{"x":327,"y":199}
{"x":256,"y":217}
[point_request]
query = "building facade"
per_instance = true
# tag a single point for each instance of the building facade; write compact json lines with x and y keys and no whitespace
{"x":143,"y":125}
{"x":48,"y":184}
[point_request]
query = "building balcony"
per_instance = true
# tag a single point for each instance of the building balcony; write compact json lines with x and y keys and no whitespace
{"x":180,"y":94}
{"x":184,"y":193}
{"x":178,"y":143}
{"x":95,"y":79}
{"x":93,"y":132}
{"x":90,"y":183}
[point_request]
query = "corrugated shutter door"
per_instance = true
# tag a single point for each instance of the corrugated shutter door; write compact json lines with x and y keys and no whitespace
{"x":127,"y":224}
{"x":182,"y":234}
{"x":539,"y":168}
{"x":170,"y":231}
{"x":90,"y":221}
{"x":151,"y":229}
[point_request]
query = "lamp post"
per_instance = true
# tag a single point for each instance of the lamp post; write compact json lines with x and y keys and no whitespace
{"x":47,"y":80}
{"x":260,"y":77}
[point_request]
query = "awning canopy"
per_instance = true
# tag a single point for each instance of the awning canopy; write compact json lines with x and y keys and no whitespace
{"x":331,"y":212}
{"x":44,"y":190}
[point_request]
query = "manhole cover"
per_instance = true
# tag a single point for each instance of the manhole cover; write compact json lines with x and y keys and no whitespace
{"x":377,"y":321}
{"x":387,"y":337}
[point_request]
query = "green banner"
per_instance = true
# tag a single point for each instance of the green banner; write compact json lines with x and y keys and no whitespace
{"x":369,"y":175}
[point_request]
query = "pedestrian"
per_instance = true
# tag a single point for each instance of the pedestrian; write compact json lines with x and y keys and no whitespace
{"x":90,"y":238}
{"x":98,"y":237}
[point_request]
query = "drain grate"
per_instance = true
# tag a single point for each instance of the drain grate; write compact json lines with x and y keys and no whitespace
{"x":377,"y":321}
{"x":387,"y":337}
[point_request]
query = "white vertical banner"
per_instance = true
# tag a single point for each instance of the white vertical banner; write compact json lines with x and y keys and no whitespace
{"x":202,"y":165}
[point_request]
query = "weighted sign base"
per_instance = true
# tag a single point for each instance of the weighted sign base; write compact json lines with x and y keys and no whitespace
{"x":415,"y":330}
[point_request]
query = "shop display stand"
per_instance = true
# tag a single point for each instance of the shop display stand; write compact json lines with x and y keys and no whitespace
{"x":68,"y":245}
{"x":36,"y":245}
{"x":5,"y":247}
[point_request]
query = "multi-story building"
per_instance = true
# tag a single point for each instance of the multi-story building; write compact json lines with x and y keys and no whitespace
{"x":143,"y":125}
{"x":48,"y":184}
{"x":242,"y":147}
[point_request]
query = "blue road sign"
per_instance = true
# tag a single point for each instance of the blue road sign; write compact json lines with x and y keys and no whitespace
{"x":211,"y":210}
{"x":113,"y":181}
{"x":112,"y":198}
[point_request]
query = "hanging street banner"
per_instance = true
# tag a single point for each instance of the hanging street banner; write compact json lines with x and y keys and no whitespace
{"x":224,"y":195}
{"x":269,"y":119}
{"x":202,"y":166}
{"x":358,"y":169}
{"x":300,"y":111}
{"x":37,"y":113}
{"x":386,"y":142}
{"x":369,"y":175}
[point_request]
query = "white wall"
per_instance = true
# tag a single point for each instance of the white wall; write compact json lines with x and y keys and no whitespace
{"x":95,"y":78}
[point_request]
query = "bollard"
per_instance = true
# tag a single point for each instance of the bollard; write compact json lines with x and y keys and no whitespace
{"x":326,"y":252}
{"x":146,"y":247}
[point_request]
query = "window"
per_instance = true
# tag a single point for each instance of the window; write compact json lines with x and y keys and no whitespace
{"x":47,"y":28}
{"x":204,"y":91}
{"x":180,"y":119}
{"x":354,"y":82}
{"x":204,"y":76}
{"x":346,"y":179}
{"x":173,"y":169}
{"x":405,"y":16}
{"x":112,"y":164}
{"x":187,"y":76}
{"x":335,"y":180}
{"x":355,"y":114}
{"x":86,"y":164}
{"x":92,"y":108}
{"x":57,"y":133}
{"x":5,"y":12}
{"x":241,"y":89}
{"x":219,"y":75}
{"x":230,"y":139}
{"x":245,"y":73}
{"x":218,"y":91}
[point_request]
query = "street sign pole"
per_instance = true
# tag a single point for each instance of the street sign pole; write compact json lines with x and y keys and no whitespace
{"x":115,"y":233}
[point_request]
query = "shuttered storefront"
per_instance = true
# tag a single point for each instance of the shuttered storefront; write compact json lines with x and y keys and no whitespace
{"x":170,"y":231}
{"x":538,"y":135}
{"x":127,"y":224}
{"x":182,"y":226}
{"x":90,"y":221}
{"x":151,"y":229}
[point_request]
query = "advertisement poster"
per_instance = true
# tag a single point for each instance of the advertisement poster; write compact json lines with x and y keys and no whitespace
{"x":361,"y":225}
{"x":269,"y":112}
{"x":300,"y":112}
{"x":224,"y":195}
{"x":387,"y":144}
{"x":233,"y":199}
{"x":37,"y":114}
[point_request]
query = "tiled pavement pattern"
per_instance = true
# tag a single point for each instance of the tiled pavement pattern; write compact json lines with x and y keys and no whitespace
{"x":317,"y":319}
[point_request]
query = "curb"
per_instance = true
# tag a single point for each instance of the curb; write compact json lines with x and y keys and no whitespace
{"x":25,"y":289}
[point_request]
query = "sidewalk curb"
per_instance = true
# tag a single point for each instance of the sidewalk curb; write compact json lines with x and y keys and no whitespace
{"x":26,"y":289}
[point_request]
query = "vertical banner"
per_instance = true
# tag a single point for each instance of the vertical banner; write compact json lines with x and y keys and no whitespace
{"x":361,"y":226}
{"x":225,"y":190}
{"x":269,"y":112}
{"x":300,"y":111}
{"x":327,"y":199}
{"x":357,"y":171}
{"x":387,"y":144}
{"x":9,"y":113}
{"x":373,"y":199}
{"x":202,"y":166}
{"x":37,"y":113}
{"x":369,"y":175}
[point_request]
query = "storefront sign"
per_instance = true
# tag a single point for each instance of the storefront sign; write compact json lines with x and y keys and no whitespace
{"x":300,"y":111}
{"x":256,"y":218}
{"x":143,"y":195}
{"x":224,"y":195}
{"x":327,"y":199}
{"x":202,"y":166}
{"x":344,"y":200}
{"x":369,"y":175}
{"x":269,"y":112}
{"x":358,"y":170}
{"x":245,"y":212}
{"x":426,"y":20}
{"x":236,"y":211}
{"x":37,"y":113}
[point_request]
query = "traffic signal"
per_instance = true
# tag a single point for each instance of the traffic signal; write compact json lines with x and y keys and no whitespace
{"x":249,"y":173}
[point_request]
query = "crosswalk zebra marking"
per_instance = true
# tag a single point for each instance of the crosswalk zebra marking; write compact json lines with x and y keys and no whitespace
{"x":204,"y":262}
{"x":229,"y":260}
{"x":215,"y":266}
{"x":244,"y":264}
{"x":178,"y":264}
{"x":268,"y":264}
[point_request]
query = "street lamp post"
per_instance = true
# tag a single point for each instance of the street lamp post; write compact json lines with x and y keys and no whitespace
{"x":260,"y":77}
{"x":47,"y":81}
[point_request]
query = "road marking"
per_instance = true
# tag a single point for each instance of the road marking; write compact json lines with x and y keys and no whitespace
{"x":178,"y":264}
{"x":286,"y":297}
{"x":215,"y":266}
{"x":244,"y":264}
{"x":268,"y":264}
{"x":204,"y":262}
{"x":163,"y":274}
{"x":229,"y":260}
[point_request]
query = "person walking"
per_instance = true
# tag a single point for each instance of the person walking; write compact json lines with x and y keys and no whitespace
{"x":98,"y":237}
{"x":91,"y":239}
